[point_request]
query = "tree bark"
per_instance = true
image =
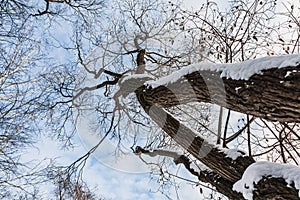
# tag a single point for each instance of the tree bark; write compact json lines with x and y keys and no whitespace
{"x":226,"y":171}
{"x":274,"y":189}
{"x":271,"y":95}
{"x":207,"y":153}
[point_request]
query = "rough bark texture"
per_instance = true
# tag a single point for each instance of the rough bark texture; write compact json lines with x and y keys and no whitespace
{"x":225,"y":170}
{"x":222,"y":185}
{"x":207,"y":153}
{"x":274,"y":189}
{"x":271,"y":95}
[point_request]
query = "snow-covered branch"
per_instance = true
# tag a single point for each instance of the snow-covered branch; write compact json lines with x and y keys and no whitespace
{"x":267,"y":88}
{"x":264,"y":92}
{"x":261,"y":172}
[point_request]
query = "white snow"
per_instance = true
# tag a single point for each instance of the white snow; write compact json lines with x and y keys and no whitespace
{"x":233,"y":153}
{"x":136,"y":76}
{"x":237,"y":89}
{"x":256,"y":171}
{"x":288,"y":73}
{"x":237,"y":71}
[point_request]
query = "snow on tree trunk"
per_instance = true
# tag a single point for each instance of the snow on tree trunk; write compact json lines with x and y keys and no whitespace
{"x":228,"y":169}
{"x":273,"y":95}
{"x":270,"y":93}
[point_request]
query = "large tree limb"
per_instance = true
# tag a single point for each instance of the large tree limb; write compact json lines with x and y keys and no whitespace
{"x":266,"y":188}
{"x":207,"y":153}
{"x":271,"y":95}
{"x":212,"y":156}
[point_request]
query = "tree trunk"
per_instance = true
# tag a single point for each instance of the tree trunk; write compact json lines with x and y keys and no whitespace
{"x":271,"y":95}
{"x":207,"y":153}
{"x":228,"y":170}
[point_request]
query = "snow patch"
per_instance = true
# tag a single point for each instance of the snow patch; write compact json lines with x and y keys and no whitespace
{"x":233,"y":153}
{"x":288,"y":73}
{"x":244,"y":70}
{"x":237,"y":89}
{"x":237,"y":71}
{"x":256,"y":171}
{"x":136,"y":76}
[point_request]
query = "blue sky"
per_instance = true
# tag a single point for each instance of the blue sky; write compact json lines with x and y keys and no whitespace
{"x":111,"y":183}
